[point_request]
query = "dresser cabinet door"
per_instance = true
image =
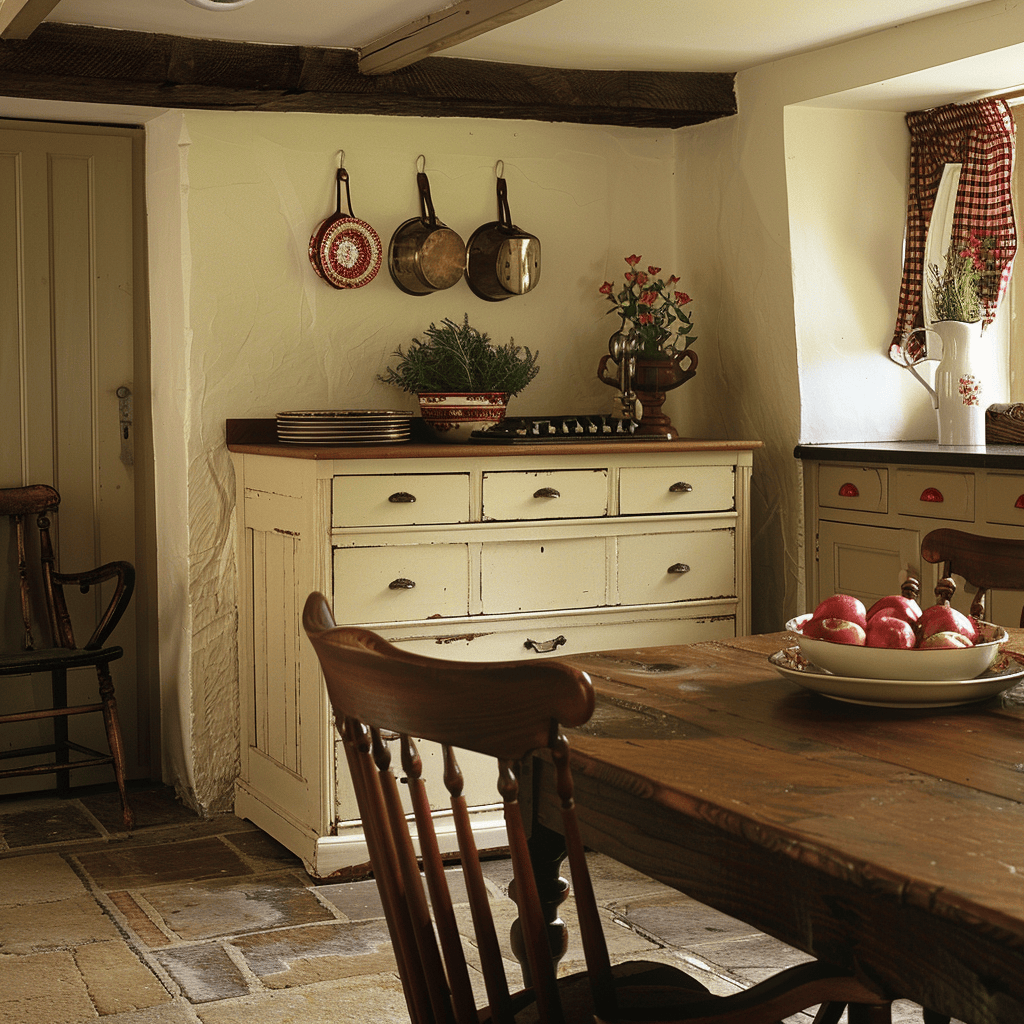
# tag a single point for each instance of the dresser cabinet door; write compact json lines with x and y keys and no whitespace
{"x":400,"y":582}
{"x":868,"y":562}
{"x":649,"y":490}
{"x":665,"y":567}
{"x":562,"y":494}
{"x":532,"y":575}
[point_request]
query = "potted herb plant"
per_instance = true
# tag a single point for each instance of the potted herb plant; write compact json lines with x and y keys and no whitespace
{"x":463,"y":380}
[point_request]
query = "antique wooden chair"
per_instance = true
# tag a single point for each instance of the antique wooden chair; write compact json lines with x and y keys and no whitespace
{"x":507,"y":710}
{"x":41,"y":591}
{"x":987,"y":563}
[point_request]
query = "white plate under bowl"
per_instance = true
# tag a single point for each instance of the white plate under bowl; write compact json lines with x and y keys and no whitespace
{"x":898,"y":693}
{"x":884,"y":663}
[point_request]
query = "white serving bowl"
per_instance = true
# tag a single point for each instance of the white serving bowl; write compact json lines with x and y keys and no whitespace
{"x":886,"y":663}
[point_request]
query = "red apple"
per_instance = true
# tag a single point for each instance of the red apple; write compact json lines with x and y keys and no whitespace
{"x":888,"y":631}
{"x":841,"y":606}
{"x":838,"y":631}
{"x":940,"y":618}
{"x":896,"y":606}
{"x":945,"y":639}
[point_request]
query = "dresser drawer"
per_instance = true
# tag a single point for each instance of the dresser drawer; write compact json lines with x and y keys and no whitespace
{"x":935,"y":494}
{"x":567,"y":494}
{"x":854,"y":487}
{"x":399,"y":582}
{"x":656,"y":490}
{"x":542,"y":575}
{"x":400,"y":500}
{"x":1005,"y":502}
{"x":664,"y":567}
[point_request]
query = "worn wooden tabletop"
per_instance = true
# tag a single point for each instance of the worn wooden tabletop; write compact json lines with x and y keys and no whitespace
{"x":886,"y":840}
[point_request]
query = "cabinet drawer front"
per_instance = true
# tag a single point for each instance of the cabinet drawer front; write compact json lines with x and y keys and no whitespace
{"x":532,"y":575}
{"x":1005,"y":499}
{"x":664,"y":567}
{"x":856,"y":487}
{"x":372,"y":584}
{"x":655,"y":490}
{"x":569,"y":494}
{"x":935,"y":494}
{"x":400,"y":500}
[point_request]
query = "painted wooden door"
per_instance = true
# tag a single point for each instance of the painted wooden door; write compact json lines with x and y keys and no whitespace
{"x":66,"y":351}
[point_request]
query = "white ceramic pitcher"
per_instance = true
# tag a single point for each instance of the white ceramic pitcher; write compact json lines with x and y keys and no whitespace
{"x":958,"y":395}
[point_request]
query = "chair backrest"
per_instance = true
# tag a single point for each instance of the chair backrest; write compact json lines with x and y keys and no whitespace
{"x":506,"y":710}
{"x":986,"y":563}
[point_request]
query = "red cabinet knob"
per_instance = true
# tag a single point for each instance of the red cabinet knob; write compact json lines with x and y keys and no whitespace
{"x":1019,"y":503}
{"x":849,"y":491}
{"x":932,"y":494}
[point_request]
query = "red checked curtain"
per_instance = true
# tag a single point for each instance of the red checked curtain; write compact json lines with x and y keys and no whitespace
{"x":980,"y":136}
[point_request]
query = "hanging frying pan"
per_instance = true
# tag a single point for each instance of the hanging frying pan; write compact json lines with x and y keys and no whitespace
{"x":425,"y":256}
{"x":502,"y":260}
{"x":345,"y":251}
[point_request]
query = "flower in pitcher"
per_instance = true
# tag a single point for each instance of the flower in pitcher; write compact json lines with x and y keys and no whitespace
{"x":653,"y":308}
{"x":955,"y":290}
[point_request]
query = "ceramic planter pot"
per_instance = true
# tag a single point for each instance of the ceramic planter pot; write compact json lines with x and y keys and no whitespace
{"x":452,"y":416}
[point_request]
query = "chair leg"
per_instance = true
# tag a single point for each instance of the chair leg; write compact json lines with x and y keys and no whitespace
{"x":59,"y":688}
{"x":110,"y":720}
{"x":874,"y":1013}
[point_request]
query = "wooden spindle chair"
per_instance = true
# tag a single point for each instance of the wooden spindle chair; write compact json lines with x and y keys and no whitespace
{"x":44,"y":590}
{"x":506,"y":710}
{"x":986,"y":563}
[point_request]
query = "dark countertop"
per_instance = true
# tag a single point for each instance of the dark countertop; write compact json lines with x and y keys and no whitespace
{"x":916,"y":453}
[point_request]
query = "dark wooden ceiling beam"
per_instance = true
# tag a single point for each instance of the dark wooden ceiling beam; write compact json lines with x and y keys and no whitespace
{"x":74,"y":63}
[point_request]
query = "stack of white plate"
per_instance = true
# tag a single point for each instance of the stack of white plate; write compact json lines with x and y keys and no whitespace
{"x":343,"y":426}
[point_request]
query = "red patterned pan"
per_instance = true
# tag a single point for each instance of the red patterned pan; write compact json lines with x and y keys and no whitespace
{"x":345,"y":251}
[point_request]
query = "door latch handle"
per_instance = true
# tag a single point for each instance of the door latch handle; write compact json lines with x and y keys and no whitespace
{"x":124,"y":416}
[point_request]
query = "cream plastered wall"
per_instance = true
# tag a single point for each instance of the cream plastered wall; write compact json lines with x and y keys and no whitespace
{"x":242,"y":327}
{"x":801,"y":282}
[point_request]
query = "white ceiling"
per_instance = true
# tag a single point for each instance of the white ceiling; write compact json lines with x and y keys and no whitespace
{"x":651,"y":35}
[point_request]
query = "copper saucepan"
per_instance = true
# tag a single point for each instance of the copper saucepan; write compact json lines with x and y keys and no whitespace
{"x":424,"y":255}
{"x":502,"y":260}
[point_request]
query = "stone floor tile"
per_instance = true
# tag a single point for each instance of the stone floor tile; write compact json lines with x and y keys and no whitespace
{"x":178,"y":1012}
{"x":358,"y":901}
{"x":752,"y":956}
{"x":206,"y":909}
{"x":156,"y":805}
{"x":136,"y":918}
{"x":116,"y":979}
{"x":45,"y":988}
{"x":59,"y":821}
{"x":263,"y":852}
{"x":204,"y":971}
{"x":37,"y":926}
{"x":39,"y":878}
{"x":134,"y":867}
{"x":378,"y":999}
{"x":302,"y":956}
{"x":677,"y":920}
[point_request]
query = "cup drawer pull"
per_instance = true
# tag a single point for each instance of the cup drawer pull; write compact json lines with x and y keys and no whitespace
{"x":401,"y":498}
{"x":849,"y":491}
{"x":545,"y":646}
{"x":679,"y":568}
{"x":932,"y":494}
{"x":680,"y":488}
{"x":547,"y":492}
{"x":1019,"y":503}
{"x":401,"y":584}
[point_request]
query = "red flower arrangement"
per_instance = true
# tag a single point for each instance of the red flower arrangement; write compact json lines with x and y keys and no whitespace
{"x":654,"y":308}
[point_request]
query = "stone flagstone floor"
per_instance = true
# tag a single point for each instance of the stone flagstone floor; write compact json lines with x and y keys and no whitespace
{"x":193,"y":921}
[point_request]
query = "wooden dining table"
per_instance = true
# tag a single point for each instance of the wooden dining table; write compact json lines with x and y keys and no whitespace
{"x":887,"y":841}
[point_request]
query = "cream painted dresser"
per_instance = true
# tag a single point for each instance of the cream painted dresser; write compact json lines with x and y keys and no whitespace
{"x":869,"y":506}
{"x":470,"y":552}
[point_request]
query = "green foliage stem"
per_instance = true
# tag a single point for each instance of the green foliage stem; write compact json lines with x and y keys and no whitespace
{"x":458,"y":358}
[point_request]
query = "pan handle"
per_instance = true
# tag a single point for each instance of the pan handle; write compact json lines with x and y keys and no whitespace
{"x":426,"y":206}
{"x":343,"y":177}
{"x":504,"y":216}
